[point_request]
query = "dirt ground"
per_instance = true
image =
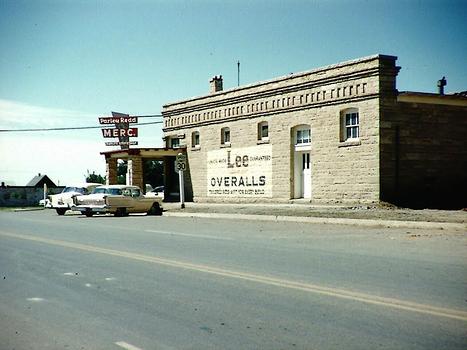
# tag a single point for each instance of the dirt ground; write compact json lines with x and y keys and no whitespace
{"x":305,"y":210}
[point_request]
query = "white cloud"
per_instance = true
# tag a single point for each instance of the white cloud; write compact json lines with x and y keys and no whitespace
{"x":64,"y":160}
{"x":17,"y":115}
{"x":64,"y":156}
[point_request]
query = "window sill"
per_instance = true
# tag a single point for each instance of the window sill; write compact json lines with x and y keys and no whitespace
{"x":225,"y":145}
{"x":350,"y":143}
{"x":262,"y":142}
{"x":196,"y":148}
{"x":302,"y":147}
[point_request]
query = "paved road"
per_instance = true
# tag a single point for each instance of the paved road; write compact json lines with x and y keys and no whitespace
{"x":143,"y":282}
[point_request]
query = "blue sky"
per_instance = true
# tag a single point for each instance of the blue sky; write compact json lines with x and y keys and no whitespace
{"x":65,"y":63}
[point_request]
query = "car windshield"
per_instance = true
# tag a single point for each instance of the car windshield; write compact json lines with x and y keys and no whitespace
{"x":74,"y":189}
{"x":114,"y":191}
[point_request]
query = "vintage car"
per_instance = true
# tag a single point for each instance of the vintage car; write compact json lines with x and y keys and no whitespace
{"x":63,"y":201}
{"x":156,"y":192}
{"x":119,"y":200}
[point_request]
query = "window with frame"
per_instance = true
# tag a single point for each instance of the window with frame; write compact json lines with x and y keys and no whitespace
{"x":174,"y":142}
{"x":195,"y":139}
{"x":303,"y":136}
{"x":225,"y":136}
{"x":350,"y":122}
{"x":263,"y":131}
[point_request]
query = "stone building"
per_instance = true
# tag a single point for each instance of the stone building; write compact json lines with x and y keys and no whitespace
{"x":337,"y":134}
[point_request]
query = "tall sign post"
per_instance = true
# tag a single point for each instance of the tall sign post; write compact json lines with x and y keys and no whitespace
{"x":45,"y":193}
{"x":180,"y":163}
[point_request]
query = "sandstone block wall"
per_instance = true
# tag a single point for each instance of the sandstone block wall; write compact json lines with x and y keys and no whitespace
{"x":424,"y":154}
{"x":340,"y":171}
{"x":111,"y":171}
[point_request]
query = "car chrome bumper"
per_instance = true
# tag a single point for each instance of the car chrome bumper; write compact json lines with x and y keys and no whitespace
{"x":92,"y":208}
{"x":58,"y":206}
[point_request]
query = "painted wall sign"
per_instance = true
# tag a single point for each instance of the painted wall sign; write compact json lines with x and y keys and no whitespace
{"x":241,"y":172}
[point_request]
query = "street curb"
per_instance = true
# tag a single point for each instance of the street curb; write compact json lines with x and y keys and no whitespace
{"x":28,"y":209}
{"x":322,"y":220}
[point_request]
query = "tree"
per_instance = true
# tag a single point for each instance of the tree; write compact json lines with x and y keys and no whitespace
{"x":122,"y":168}
{"x":95,"y":178}
{"x":153,"y":171}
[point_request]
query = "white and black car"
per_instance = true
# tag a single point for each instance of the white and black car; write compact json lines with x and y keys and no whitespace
{"x":119,"y":200}
{"x":63,"y":201}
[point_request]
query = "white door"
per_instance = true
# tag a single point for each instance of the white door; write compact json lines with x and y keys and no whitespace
{"x":302,"y":177}
{"x":306,"y":175}
{"x":302,"y":161}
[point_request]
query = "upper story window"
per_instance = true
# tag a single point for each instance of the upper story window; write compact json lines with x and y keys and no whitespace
{"x":303,"y":136}
{"x":195,"y":139}
{"x":350,"y":124}
{"x":263,"y":131}
{"x":225,"y":136}
{"x":174,"y":142}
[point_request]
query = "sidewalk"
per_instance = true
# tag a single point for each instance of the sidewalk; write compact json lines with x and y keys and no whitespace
{"x":333,"y":214}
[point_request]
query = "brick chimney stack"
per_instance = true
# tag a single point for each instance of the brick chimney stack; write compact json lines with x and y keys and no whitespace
{"x":441,"y":84}
{"x":216,"y":84}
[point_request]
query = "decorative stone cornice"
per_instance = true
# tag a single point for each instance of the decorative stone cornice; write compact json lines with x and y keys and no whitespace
{"x":335,"y":84}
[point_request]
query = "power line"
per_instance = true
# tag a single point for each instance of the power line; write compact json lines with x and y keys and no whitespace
{"x":77,"y":127}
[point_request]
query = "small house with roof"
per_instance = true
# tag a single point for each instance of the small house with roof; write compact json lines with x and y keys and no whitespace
{"x":39,"y":181}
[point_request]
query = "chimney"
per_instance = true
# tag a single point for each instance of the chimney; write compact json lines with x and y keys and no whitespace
{"x":216,"y":84}
{"x":441,"y":84}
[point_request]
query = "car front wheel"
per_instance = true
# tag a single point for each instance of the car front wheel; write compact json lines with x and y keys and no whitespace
{"x":155,"y":209}
{"x":61,"y":211}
